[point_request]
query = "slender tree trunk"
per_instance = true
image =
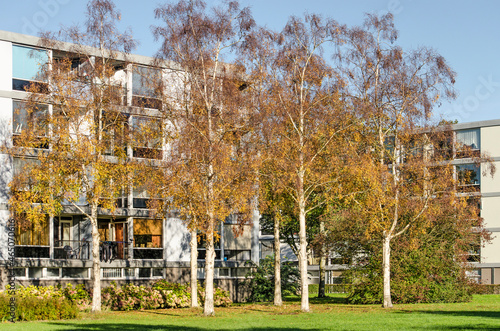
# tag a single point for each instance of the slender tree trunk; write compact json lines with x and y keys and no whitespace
{"x":386,"y":265}
{"x":96,"y":263}
{"x":304,"y":283}
{"x":277,"y":264}
{"x":194,"y":269}
{"x":322,"y":262}
{"x":321,"y":288}
{"x":208,"y":309}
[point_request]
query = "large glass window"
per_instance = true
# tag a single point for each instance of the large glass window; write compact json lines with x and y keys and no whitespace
{"x":32,"y":121}
{"x":468,"y":176}
{"x":146,"y":87}
{"x":30,"y":234}
{"x":27,"y":63}
{"x":148,"y":233}
{"x":147,"y":137}
{"x":469,"y":142}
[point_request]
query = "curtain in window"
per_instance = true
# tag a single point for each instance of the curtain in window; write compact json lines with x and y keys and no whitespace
{"x":469,"y":138}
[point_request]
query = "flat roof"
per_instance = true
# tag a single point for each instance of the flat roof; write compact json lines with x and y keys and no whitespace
{"x":28,"y":40}
{"x":478,"y":124}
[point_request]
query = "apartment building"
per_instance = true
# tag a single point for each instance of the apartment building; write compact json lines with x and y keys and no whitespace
{"x":482,"y":137}
{"x":140,"y":248}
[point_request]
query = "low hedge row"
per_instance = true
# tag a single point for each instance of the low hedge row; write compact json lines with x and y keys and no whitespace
{"x":34,"y":303}
{"x":486,"y":289}
{"x":161,"y":295}
{"x":36,"y":309}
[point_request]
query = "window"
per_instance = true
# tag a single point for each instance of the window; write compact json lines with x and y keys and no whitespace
{"x":158,"y":272}
{"x":35,"y":272}
{"x":468,"y":142}
{"x":27,"y":63}
{"x":32,"y":122}
{"x":148,"y":233}
{"x":144,"y":272}
{"x":53,"y":273}
{"x":147,"y":137}
{"x":474,"y":251}
{"x":115,"y":133}
{"x":146,"y":87}
{"x":468,"y":177}
{"x":74,"y":273}
{"x":29,"y":234}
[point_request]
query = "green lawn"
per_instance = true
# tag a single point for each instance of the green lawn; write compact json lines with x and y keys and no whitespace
{"x":483,"y":313}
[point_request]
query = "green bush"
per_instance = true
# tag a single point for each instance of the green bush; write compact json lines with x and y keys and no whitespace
{"x":260,"y":281}
{"x":131,"y":297}
{"x":425,"y":275}
{"x":31,"y":308}
{"x":221,"y":297}
{"x":486,"y":289}
{"x":162,"y":294}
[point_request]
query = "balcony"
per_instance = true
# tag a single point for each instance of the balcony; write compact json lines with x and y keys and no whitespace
{"x":72,"y":249}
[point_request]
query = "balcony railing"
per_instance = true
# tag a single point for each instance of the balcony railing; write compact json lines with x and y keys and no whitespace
{"x":113,"y":250}
{"x":72,"y":249}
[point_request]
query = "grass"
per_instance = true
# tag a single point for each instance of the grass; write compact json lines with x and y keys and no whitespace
{"x":331,"y":313}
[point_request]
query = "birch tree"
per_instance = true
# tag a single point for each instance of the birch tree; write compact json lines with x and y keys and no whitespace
{"x":211,"y":155}
{"x":304,"y":120}
{"x":81,"y":155}
{"x":394,"y":92}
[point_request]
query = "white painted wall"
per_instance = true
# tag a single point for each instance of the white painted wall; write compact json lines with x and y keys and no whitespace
{"x":5,"y":66}
{"x":490,"y":184}
{"x":490,"y":140}
{"x":176,"y":241}
{"x":490,"y":253}
{"x":490,"y":212}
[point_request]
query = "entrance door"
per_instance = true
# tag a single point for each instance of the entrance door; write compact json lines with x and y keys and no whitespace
{"x":121,"y":239}
{"x":66,"y":235}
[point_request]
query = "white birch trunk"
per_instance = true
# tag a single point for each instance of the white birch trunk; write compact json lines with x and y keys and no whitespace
{"x":208,"y":309}
{"x":277,"y":264}
{"x":304,"y":286}
{"x":194,"y":269}
{"x":386,"y":265}
{"x":96,"y":263}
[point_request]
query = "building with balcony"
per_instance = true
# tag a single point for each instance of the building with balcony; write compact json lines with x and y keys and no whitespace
{"x":134,"y":246}
{"x":482,"y":138}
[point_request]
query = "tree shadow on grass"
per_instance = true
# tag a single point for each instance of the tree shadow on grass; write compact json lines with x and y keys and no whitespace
{"x":461,"y":313}
{"x":96,"y":326}
{"x":458,"y":313}
{"x":315,"y":300}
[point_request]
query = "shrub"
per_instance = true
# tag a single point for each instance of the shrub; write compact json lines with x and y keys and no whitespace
{"x":486,"y":289}
{"x":79,"y":295}
{"x":260,"y":282}
{"x":425,"y":275}
{"x":162,"y":294}
{"x":33,"y":308}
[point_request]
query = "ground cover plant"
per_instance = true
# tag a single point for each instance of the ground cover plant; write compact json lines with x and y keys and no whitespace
{"x":330,"y":313}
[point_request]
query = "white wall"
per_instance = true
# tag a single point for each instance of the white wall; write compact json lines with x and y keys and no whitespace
{"x":176,"y":241}
{"x":490,"y":140}
{"x":490,"y":212}
{"x":490,"y":184}
{"x":5,"y":66}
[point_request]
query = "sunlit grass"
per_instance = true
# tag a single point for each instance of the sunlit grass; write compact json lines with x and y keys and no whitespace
{"x":331,"y":313}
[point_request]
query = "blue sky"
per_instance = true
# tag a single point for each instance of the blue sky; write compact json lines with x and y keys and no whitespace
{"x":466,"y":33}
